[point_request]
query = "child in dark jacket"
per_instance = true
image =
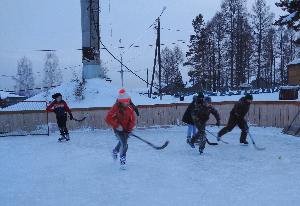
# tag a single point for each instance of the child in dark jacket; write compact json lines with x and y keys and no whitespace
{"x":60,"y":108}
{"x":200,"y":116}
{"x":187,"y":118}
{"x":237,"y":117}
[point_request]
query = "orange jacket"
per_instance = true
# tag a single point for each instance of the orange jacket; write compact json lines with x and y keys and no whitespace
{"x":121,"y":116}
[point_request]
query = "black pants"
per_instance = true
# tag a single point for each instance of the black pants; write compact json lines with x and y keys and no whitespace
{"x":232,"y":122}
{"x":62,"y":124}
{"x":122,"y":145}
{"x":201,"y":135}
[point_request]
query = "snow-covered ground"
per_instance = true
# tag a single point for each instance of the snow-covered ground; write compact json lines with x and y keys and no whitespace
{"x":39,"y":171}
{"x":99,"y":93}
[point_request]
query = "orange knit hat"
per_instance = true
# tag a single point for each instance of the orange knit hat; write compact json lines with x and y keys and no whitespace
{"x":123,"y":96}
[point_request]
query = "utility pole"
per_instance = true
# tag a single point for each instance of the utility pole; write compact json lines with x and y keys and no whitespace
{"x":122,"y":72}
{"x":147,"y":77}
{"x":159,"y":58}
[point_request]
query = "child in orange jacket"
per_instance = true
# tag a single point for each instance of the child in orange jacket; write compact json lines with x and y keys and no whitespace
{"x":121,"y":118}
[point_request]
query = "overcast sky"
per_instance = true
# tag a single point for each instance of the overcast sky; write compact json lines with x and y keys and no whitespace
{"x":29,"y":25}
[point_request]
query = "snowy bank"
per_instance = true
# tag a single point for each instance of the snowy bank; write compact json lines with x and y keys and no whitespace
{"x":99,"y":93}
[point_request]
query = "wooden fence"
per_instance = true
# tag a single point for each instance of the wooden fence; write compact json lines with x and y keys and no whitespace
{"x":262,"y":113}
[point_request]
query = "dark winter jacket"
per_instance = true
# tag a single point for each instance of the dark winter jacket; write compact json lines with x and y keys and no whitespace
{"x":59,"y":108}
{"x":187,"y":116}
{"x":202,"y":112}
{"x":240,"y":109}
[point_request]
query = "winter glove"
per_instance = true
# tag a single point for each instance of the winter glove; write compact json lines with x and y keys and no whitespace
{"x":119,"y":128}
{"x":71,"y":116}
{"x":218,"y":123}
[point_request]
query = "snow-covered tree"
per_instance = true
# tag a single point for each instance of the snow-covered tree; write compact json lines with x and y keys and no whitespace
{"x":52,"y":72}
{"x":24,"y":79}
{"x":79,"y":87}
{"x":292,"y":20}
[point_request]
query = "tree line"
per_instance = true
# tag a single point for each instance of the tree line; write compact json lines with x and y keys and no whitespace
{"x":237,"y":46}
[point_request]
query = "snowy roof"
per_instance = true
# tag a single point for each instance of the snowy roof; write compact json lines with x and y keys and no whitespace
{"x":4,"y":95}
{"x":289,"y":87}
{"x":245,"y":85}
{"x":295,"y":61}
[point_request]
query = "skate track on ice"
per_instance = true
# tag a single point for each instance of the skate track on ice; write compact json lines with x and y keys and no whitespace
{"x":39,"y":171}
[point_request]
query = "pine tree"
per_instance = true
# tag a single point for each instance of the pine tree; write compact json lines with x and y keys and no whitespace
{"x":197,"y":51}
{"x":292,"y":20}
{"x":24,"y":79}
{"x":79,"y":87}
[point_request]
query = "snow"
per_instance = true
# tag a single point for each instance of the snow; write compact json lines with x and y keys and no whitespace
{"x":294,"y":62}
{"x":288,"y":87}
{"x":100,"y":93}
{"x":4,"y":95}
{"x":289,"y":17}
{"x":39,"y":171}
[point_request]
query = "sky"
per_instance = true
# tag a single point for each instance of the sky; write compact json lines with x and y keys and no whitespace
{"x":30,"y":25}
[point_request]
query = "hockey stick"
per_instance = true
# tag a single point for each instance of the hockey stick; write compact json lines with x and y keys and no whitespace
{"x":216,"y":136}
{"x":79,"y":120}
{"x":150,"y":144}
{"x":254,"y":144}
{"x":211,"y":143}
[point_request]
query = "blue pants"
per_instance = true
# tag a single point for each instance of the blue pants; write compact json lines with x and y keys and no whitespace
{"x":192,"y":130}
{"x":122,"y":145}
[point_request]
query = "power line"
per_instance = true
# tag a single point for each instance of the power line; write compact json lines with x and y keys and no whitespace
{"x":105,"y":48}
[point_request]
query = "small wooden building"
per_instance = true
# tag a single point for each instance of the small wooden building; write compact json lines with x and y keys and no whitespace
{"x":288,"y":93}
{"x":294,"y":72}
{"x":7,"y":99}
{"x":245,"y":87}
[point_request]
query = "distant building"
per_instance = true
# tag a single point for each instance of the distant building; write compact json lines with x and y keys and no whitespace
{"x":294,"y":72}
{"x":7,"y":99}
{"x":245,"y":86}
{"x":288,"y":93}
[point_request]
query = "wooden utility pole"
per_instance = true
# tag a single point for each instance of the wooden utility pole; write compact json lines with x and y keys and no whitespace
{"x":159,"y":58}
{"x":122,"y":72}
{"x":153,"y":71}
{"x":147,"y":77}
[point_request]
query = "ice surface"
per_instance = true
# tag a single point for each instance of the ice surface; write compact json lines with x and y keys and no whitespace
{"x":39,"y":171}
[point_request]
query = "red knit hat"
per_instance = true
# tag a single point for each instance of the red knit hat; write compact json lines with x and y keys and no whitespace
{"x":123,"y":96}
